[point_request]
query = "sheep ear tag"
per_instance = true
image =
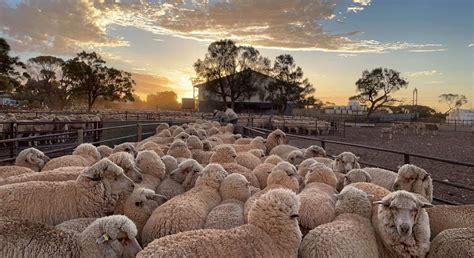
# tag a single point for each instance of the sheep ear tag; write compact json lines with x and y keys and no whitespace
{"x":103,"y":238}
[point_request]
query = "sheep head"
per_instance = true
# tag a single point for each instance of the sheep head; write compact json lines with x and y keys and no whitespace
{"x":414,"y":179}
{"x":182,"y":136}
{"x":314,"y":151}
{"x":295,"y":157}
{"x":110,"y":175}
{"x":235,"y":186}
{"x":212,"y":176}
{"x":194,"y":143}
{"x":127,"y":163}
{"x":151,"y":164}
{"x":318,"y":172}
{"x":223,"y":154}
{"x":284,"y":174}
{"x":345,"y":162}
{"x":126,"y":147}
{"x":357,"y":175}
{"x":353,"y":200}
{"x":87,"y":150}
{"x":31,"y":158}
{"x":187,"y":173}
{"x":273,"y":159}
{"x":170,"y":163}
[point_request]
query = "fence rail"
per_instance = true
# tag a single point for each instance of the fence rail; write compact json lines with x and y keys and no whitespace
{"x":406,"y":157}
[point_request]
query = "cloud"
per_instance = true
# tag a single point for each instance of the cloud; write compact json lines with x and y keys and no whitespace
{"x":427,"y":50}
{"x":346,"y":55}
{"x":355,"y":9}
{"x":150,"y":84}
{"x":436,"y":82}
{"x":65,"y":26}
{"x":471,"y":45}
{"x":423,"y":73}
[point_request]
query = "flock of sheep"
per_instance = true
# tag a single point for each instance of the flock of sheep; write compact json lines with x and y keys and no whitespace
{"x":199,"y":190}
{"x":404,"y":128}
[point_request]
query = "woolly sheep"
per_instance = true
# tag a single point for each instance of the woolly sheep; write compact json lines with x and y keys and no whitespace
{"x":75,"y":226}
{"x":89,"y":152}
{"x":177,"y":131}
{"x":272,"y":231}
{"x":151,"y":146}
{"x":161,"y":127}
{"x":59,"y":174}
{"x":31,"y":158}
{"x":382,"y":177}
{"x":402,"y":225}
{"x":235,"y":192}
{"x":414,"y":179}
{"x":83,"y":156}
{"x":312,"y":151}
{"x":256,"y":143}
{"x":104,"y":151}
{"x":248,"y":160}
{"x":223,"y":154}
{"x":375,"y":192}
{"x":127,"y":162}
{"x":9,"y":171}
{"x":261,"y":172}
{"x":320,"y":173}
{"x":295,"y":157}
{"x":112,"y":236}
{"x":189,"y":210}
{"x":273,"y":159}
{"x":349,"y":235}
{"x":354,"y":176}
{"x":93,"y":194}
{"x":345,"y":162}
{"x":326,"y":161}
{"x":170,"y":163}
{"x":274,"y":139}
{"x":179,"y":150}
{"x":456,"y":242}
{"x":187,"y":173}
{"x":194,"y":143}
{"x":303,"y":167}
{"x":164,"y":133}
{"x":126,"y":147}
{"x":243,"y":141}
{"x":233,"y":168}
{"x":152,"y":167}
{"x":214,"y":141}
{"x":444,"y":217}
{"x":257,"y":153}
{"x":283,"y":150}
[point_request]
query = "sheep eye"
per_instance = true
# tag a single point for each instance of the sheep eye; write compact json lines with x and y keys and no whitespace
{"x":127,"y":149}
{"x":138,"y":204}
{"x":115,"y":178}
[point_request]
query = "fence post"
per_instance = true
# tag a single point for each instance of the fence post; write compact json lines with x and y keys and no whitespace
{"x":139,"y":132}
{"x":80,"y":136}
{"x":323,"y":144}
{"x":126,"y":115}
{"x":406,"y":158}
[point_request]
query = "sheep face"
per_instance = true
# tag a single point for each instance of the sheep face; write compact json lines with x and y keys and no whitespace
{"x":32,"y":158}
{"x":235,"y":186}
{"x":257,"y":153}
{"x":194,"y":143}
{"x":295,"y":157}
{"x":150,"y":163}
{"x":357,"y":175}
{"x":206,"y":145}
{"x":143,"y":202}
{"x":111,"y":176}
{"x":413,"y":179}
{"x":127,"y":163}
{"x":202,"y":134}
{"x":345,"y":162}
{"x":314,"y":151}
{"x":182,"y":136}
{"x":187,"y":168}
{"x":404,"y":208}
{"x":126,"y":147}
{"x":212,"y":176}
{"x":224,"y":154}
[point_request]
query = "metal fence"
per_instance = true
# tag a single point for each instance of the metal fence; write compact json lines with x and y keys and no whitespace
{"x":407,"y":158}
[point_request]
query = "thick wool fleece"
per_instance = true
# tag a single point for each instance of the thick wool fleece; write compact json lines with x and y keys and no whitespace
{"x":9,"y":171}
{"x":232,"y":168}
{"x":317,"y":205}
{"x":272,"y":231}
{"x":261,"y":172}
{"x":458,"y":242}
{"x":444,"y":217}
{"x":66,"y":161}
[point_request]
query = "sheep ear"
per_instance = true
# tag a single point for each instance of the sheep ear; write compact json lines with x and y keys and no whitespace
{"x":385,"y":202}
{"x":93,"y":174}
{"x":29,"y":157}
{"x":426,"y":205}
{"x":103,"y":238}
{"x":160,"y":199}
{"x":370,"y":196}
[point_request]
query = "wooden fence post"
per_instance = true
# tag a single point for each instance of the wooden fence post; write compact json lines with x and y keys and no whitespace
{"x":80,"y":136}
{"x":139,"y":132}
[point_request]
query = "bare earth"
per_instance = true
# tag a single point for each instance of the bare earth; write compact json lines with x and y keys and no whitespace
{"x":447,"y":144}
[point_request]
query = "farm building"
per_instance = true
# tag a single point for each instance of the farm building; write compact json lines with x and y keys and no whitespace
{"x":460,"y":116}
{"x":257,"y":103}
{"x":353,"y":108}
{"x":6,"y":99}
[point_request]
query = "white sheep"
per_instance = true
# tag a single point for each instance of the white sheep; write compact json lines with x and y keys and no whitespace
{"x":31,"y":158}
{"x":10,"y":171}
{"x":152,"y":167}
{"x":93,"y":194}
{"x":180,"y":180}
{"x":248,"y":160}
{"x":151,"y":146}
{"x":414,"y":179}
{"x":354,"y":176}
{"x":112,"y":236}
{"x":444,"y":217}
{"x":256,"y":143}
{"x":83,"y":156}
{"x":223,"y":154}
{"x":179,"y":150}
{"x":170,"y":163}
{"x":261,"y":172}
{"x":402,"y":225}
{"x":345,"y":162}
{"x":274,"y":139}
{"x":350,"y":234}
{"x":272,"y":231}
{"x":187,"y":211}
{"x":126,"y":147}
{"x":104,"y":151}
{"x":456,"y":242}
{"x":59,"y":174}
{"x":126,"y":161}
{"x":233,"y":168}
{"x":235,"y":191}
{"x":272,"y":159}
{"x":382,"y":177}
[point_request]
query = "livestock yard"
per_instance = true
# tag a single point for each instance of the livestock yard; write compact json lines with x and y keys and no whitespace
{"x":274,"y":186}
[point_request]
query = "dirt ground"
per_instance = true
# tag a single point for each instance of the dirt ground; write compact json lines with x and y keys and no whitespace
{"x":447,"y":144}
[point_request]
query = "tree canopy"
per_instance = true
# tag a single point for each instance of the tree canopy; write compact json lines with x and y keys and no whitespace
{"x":225,"y":63}
{"x":453,"y":100}
{"x":375,"y":88}
{"x":167,"y":100}
{"x":9,"y":66}
{"x":289,"y":86}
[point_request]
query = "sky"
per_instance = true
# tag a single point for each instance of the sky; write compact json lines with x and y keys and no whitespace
{"x":431,"y":42}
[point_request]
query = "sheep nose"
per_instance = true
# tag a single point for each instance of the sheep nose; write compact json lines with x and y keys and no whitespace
{"x":404,"y":228}
{"x":396,"y":186}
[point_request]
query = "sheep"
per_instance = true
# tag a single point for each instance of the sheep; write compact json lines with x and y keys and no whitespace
{"x":197,"y":150}
{"x":274,"y":139}
{"x":326,"y":161}
{"x":456,"y":242}
{"x":257,"y":153}
{"x":179,"y":180}
{"x":189,"y":210}
{"x":31,"y":158}
{"x":248,"y":160}
{"x":161,"y":127}
{"x":283,"y":175}
{"x":444,"y":217}
{"x":273,"y":159}
{"x":112,"y":236}
{"x":194,"y":143}
{"x":349,"y":235}
{"x":256,"y":143}
{"x":344,"y":162}
{"x":312,"y":151}
{"x":214,"y":142}
{"x":261,"y":172}
{"x":243,"y":141}
{"x":320,"y":173}
{"x":83,"y":156}
{"x":232,"y":168}
{"x":93,"y":194}
{"x":375,"y":192}
{"x":59,"y":174}
{"x":177,"y":131}
{"x":223,"y":154}
{"x":170,"y":163}
{"x":402,"y":225}
{"x":126,"y":147}
{"x":272,"y":231}
{"x":151,"y":146}
{"x":126,"y":161}
{"x":9,"y":171}
{"x":295,"y":157}
{"x":165,"y":133}
{"x":354,"y":176}
{"x":382,"y":177}
{"x":283,"y":150}
{"x":229,"y":213}
{"x":75,"y":226}
{"x":414,"y":179}
{"x":179,"y":150}
{"x":104,"y":151}
{"x":152,"y":167}
{"x":303,"y":167}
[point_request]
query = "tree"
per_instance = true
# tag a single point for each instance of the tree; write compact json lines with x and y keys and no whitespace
{"x":376,"y":87}
{"x":45,"y":79}
{"x":423,"y":111}
{"x":453,"y":100}
{"x":9,"y":75}
{"x":289,"y":85}
{"x":225,"y":70}
{"x":164,"y":100}
{"x":90,"y":78}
